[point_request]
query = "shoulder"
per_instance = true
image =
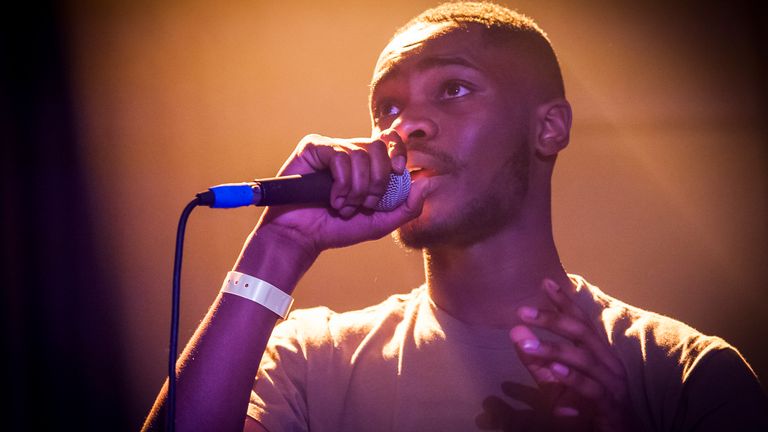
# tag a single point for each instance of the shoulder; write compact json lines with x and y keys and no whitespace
{"x":654,"y":338}
{"x":689,"y":375}
{"x":725,"y":388}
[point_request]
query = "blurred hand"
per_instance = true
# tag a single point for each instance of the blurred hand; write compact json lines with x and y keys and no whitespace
{"x":593,"y":380}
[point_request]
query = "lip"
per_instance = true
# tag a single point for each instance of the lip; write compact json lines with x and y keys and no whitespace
{"x":421,"y":172}
{"x":423,"y":164}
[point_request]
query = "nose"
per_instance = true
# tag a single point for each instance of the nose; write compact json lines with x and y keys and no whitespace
{"x":413,"y":124}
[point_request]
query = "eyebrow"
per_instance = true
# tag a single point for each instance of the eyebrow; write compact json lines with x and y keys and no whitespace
{"x":433,"y":62}
{"x":423,"y":64}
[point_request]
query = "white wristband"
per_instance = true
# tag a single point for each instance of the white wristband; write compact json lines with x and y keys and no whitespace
{"x":259,"y":291}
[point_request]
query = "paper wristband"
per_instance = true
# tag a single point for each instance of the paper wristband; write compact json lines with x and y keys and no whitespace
{"x":259,"y":291}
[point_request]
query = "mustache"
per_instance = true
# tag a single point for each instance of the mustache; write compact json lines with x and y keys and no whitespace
{"x":443,"y":157}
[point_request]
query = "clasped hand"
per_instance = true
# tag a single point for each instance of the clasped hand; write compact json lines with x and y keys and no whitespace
{"x":591,"y":379}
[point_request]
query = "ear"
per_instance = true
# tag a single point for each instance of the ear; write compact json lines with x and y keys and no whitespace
{"x":553,"y":120}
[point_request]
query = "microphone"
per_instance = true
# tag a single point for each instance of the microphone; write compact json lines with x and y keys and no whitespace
{"x":314,"y":188}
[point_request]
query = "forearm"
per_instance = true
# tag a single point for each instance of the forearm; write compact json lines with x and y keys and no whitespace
{"x":217,"y":368}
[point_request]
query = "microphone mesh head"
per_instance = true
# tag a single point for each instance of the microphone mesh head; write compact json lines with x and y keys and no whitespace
{"x":397,"y":191}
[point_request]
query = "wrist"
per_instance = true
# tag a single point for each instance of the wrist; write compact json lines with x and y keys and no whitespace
{"x":277,"y":256}
{"x":258,"y":291}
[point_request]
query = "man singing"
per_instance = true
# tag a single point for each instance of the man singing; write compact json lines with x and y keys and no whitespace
{"x":469,"y":98}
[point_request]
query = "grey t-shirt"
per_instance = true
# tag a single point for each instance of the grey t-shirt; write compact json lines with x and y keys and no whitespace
{"x":406,"y":365}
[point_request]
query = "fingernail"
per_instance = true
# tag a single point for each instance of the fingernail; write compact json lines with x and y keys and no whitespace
{"x":550,"y":285}
{"x":566,"y":411}
{"x":528,"y":313}
{"x":428,"y":188}
{"x":338,"y":202}
{"x":560,"y":369}
{"x":530,"y":345}
{"x":347,"y":211}
{"x":398,"y":164}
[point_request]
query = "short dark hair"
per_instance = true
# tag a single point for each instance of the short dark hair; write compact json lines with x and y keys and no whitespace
{"x":504,"y":26}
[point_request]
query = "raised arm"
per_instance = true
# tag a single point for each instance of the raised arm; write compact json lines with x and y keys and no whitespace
{"x":218,"y":365}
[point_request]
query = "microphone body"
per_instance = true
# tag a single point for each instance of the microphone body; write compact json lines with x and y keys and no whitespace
{"x":314,"y":188}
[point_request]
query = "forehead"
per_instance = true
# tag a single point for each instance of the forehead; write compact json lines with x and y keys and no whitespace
{"x":428,"y":43}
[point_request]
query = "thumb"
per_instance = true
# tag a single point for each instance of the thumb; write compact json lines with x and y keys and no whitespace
{"x":371,"y":225}
{"x":420,"y":190}
{"x":385,"y":222}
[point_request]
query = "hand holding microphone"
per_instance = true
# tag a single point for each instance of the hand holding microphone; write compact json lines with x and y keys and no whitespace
{"x":361,"y":186}
{"x":356,"y":165}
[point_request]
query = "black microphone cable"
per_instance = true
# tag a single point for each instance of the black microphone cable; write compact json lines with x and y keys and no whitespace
{"x":175,"y":302}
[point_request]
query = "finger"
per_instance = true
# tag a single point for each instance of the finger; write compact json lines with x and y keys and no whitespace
{"x":525,"y":340}
{"x":313,"y":153}
{"x":574,"y":324}
{"x":573,"y":358}
{"x":577,"y":381}
{"x":359,"y":177}
{"x":396,"y":148}
{"x":556,"y":322}
{"x":374,"y":225}
{"x":546,"y":376}
{"x":598,"y":340}
{"x":560,"y":298}
{"x":320,"y":153}
{"x":575,"y":331}
{"x":571,"y":403}
{"x":340,"y":165}
{"x":380,"y":168}
{"x":412,"y":206}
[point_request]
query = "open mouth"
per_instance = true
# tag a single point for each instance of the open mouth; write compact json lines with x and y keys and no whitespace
{"x":417,"y":172}
{"x":421,"y":172}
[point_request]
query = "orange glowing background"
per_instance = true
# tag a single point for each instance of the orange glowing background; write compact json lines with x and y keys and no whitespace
{"x":660,"y":198}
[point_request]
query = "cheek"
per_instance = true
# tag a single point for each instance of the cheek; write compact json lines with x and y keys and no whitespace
{"x":488,"y":127}
{"x":464,"y":138}
{"x":486,"y":148}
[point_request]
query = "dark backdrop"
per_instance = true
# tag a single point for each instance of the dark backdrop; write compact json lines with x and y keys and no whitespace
{"x":63,"y":337}
{"x":62,"y":367}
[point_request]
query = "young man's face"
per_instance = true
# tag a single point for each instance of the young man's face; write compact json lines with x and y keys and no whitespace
{"x":451,"y":98}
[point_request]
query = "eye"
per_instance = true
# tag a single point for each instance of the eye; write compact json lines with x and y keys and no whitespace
{"x":387,"y":109}
{"x":454,"y":89}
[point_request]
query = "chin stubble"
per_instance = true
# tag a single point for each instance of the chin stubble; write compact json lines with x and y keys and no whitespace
{"x":484,"y":215}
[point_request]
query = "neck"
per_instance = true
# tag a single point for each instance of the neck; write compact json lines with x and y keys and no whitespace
{"x":484,"y":283}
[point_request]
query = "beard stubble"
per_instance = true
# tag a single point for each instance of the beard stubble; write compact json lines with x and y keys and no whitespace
{"x":485,"y":214}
